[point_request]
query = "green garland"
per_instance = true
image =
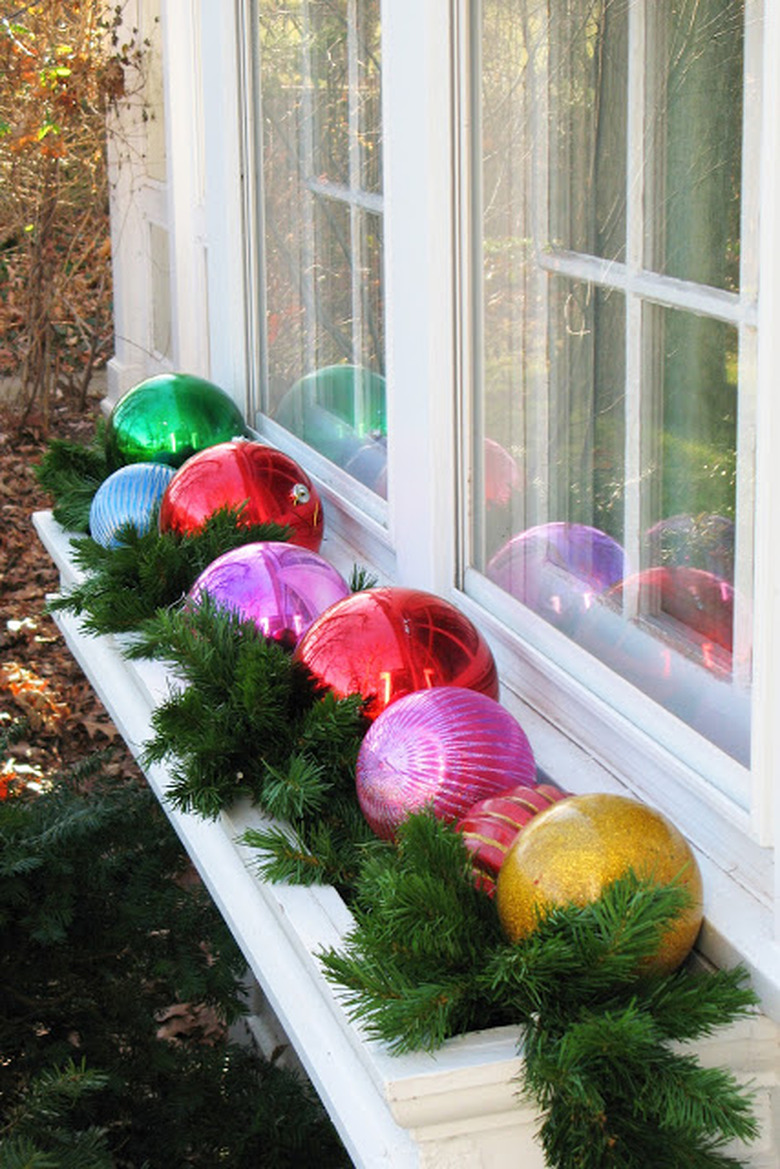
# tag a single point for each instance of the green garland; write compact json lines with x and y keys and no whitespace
{"x":124,"y":586}
{"x":250,"y":721}
{"x":427,"y":959}
{"x":72,"y":473}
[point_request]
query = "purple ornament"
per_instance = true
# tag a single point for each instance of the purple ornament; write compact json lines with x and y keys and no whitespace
{"x":282,"y":587}
{"x":556,"y":569}
{"x":449,"y":747}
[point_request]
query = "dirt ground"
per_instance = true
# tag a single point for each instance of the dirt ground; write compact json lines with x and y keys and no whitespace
{"x":39,"y":680}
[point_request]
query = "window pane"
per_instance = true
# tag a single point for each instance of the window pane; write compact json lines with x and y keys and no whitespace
{"x":325,"y":31}
{"x":322,"y":218}
{"x":605,"y":480}
{"x":588,"y":54}
{"x":695,"y":95}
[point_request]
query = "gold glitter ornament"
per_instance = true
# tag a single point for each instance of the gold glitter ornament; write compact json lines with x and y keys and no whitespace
{"x":570,"y":851}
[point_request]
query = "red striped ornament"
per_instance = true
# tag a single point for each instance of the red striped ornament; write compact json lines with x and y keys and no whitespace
{"x":490,"y":827}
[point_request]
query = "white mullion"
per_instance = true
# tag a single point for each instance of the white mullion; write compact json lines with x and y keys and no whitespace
{"x":744,"y":551}
{"x":748,"y":645}
{"x":537,"y":330}
{"x":308,"y":283}
{"x":471,"y":294}
{"x":366,"y":200}
{"x":667,"y":291}
{"x":355,"y":221}
{"x":635,"y":234}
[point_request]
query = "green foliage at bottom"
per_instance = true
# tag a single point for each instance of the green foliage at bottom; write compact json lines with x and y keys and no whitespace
{"x":103,"y":930}
{"x":600,"y":1036}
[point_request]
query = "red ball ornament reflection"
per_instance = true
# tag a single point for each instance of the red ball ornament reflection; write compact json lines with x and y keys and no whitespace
{"x":270,"y":485}
{"x":386,"y":642}
{"x":490,"y":826}
{"x":699,"y":601}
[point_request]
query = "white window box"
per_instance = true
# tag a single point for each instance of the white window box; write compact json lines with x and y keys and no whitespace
{"x":458,"y":1108}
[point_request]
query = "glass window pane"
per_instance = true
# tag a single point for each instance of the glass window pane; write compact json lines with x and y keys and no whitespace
{"x":323,"y":235}
{"x":369,"y":95}
{"x":325,"y":28}
{"x":587,"y":88}
{"x":605,"y":479}
{"x":695,"y":84}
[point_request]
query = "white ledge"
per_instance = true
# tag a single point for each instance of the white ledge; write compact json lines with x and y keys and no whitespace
{"x":456,"y":1110}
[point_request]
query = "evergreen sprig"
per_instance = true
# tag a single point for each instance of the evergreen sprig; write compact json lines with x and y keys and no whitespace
{"x":124,"y":586}
{"x":249,"y":720}
{"x":72,"y":473}
{"x":598,"y":1028}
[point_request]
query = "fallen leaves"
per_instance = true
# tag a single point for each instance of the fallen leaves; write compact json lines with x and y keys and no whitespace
{"x":41,"y":685}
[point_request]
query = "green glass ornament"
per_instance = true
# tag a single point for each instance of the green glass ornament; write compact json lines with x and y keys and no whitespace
{"x":167,"y":418}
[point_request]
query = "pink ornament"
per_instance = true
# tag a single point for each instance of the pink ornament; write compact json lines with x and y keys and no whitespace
{"x":386,"y":642}
{"x":448,"y":748}
{"x":269,"y":484}
{"x":279,"y":586}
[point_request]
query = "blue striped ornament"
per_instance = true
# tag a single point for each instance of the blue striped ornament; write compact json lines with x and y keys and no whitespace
{"x":129,"y":495}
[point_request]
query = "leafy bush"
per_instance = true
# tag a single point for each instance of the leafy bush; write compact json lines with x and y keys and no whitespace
{"x":104,"y":928}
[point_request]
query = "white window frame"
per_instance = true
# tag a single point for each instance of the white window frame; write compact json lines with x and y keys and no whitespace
{"x":726,"y":811}
{"x":581,"y":738}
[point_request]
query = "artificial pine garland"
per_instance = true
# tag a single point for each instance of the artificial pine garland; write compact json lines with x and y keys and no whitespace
{"x":427,"y":959}
{"x":72,"y":473}
{"x":250,"y":721}
{"x":125,"y":585}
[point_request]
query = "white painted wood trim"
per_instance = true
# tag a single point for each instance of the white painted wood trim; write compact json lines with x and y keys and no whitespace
{"x":455,"y":1110}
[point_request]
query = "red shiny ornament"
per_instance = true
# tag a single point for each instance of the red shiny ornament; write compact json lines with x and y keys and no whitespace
{"x":490,"y":826}
{"x":270,"y":485}
{"x":386,"y":642}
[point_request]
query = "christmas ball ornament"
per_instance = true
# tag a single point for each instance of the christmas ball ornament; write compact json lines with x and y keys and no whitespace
{"x":490,"y":827}
{"x":167,"y":418}
{"x":447,"y":748}
{"x":279,"y":586}
{"x":384,"y":643}
{"x":369,"y":465}
{"x":335,"y":409}
{"x":269,"y":484}
{"x":128,"y":496}
{"x":569,"y":853}
{"x":699,"y":602}
{"x":702,"y":541}
{"x":556,"y":569}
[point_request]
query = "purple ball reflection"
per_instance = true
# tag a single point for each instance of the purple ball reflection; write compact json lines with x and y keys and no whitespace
{"x":556,"y":568}
{"x":282,"y":587}
{"x":448,"y":747}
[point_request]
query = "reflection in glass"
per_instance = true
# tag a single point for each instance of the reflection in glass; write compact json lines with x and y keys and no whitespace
{"x":695,"y":140}
{"x":322,"y":219}
{"x":605,"y":477}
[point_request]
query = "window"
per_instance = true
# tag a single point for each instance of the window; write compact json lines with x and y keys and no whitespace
{"x":611,"y":504}
{"x":323,"y":368}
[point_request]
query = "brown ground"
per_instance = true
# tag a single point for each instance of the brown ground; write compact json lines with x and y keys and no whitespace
{"x":39,"y":680}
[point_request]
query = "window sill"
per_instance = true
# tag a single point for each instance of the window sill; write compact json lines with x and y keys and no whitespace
{"x":574,"y":734}
{"x":459,"y":1107}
